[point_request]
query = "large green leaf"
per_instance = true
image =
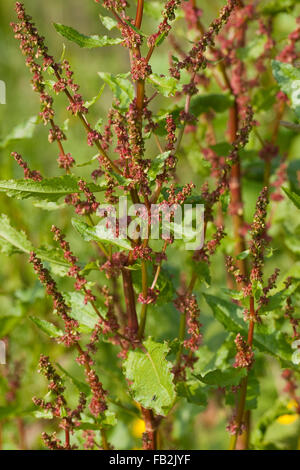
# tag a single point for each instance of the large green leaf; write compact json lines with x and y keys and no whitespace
{"x":121,"y":87}
{"x":98,"y":233}
{"x":49,"y":189}
{"x":266,"y":340}
{"x":288,"y":79}
{"x":151,"y":378}
{"x":85,"y":41}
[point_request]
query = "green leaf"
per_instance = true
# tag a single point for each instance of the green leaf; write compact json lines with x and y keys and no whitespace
{"x":16,"y":241}
{"x":150,"y":373}
{"x":49,"y":189}
{"x":167,"y":86}
{"x":157,"y":165}
{"x":81,"y":386}
{"x":94,"y":100}
{"x":47,"y":327}
{"x":121,"y":87}
{"x":223,"y":378}
{"x":265,"y":340}
{"x":20,"y":132}
{"x":108,"y":22}
{"x":193,"y":393}
{"x":202,"y":270}
{"x":99,"y":233}
{"x":83,"y":313}
{"x":85,"y":41}
{"x":243,"y":254}
{"x":295,"y":198}
{"x":274,"y":7}
{"x":288,"y":79}
{"x":217,"y":102}
{"x":253,"y":50}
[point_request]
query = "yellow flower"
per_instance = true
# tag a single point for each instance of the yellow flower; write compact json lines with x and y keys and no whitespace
{"x":289,"y":419}
{"x":138,"y":427}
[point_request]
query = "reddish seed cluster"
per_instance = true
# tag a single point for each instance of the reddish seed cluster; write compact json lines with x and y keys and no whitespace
{"x":233,"y":427}
{"x":244,"y":356}
{"x":28,"y":174}
{"x":151,"y":297}
{"x":195,"y":59}
{"x":289,"y":53}
{"x":258,"y":235}
{"x":210,"y":246}
{"x":89,"y":206}
{"x":69,"y":419}
{"x":140,"y":69}
{"x":171,"y":129}
{"x":74,"y":270}
{"x":187,"y":304}
{"x":280,"y":179}
{"x":71,"y":336}
{"x":117,"y":5}
{"x":192,"y":14}
{"x":115,"y":264}
{"x":164,"y":27}
{"x":98,"y":403}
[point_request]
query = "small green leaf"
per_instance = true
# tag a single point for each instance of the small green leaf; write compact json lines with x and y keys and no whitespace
{"x":243,"y":254}
{"x":99,"y":233}
{"x":167,"y":86}
{"x":193,"y":392}
{"x":94,"y":100}
{"x":81,"y":386}
{"x":295,"y":198}
{"x":83,"y":313}
{"x":108,"y":22}
{"x":150,"y":373}
{"x":223,"y":378}
{"x":121,"y":87}
{"x":157,"y":165}
{"x":85,"y":41}
{"x":47,"y":327}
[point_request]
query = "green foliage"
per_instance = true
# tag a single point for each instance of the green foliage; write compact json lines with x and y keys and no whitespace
{"x":82,"y":40}
{"x":48,"y":189}
{"x":288,"y":79}
{"x":152,"y":380}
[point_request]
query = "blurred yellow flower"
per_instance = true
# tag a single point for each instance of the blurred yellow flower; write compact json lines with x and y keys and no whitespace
{"x":289,"y":419}
{"x":138,"y":427}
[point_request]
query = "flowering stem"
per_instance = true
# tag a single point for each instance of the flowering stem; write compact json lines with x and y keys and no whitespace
{"x":67,"y":438}
{"x":150,"y":441}
{"x":244,"y":383}
{"x":139,"y":14}
{"x":130,"y":301}
{"x":144,"y":306}
{"x":105,"y":444}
